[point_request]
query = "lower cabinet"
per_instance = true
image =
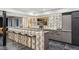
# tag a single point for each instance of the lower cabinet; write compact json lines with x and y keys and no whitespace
{"x":66,"y":36}
{"x":63,"y":36}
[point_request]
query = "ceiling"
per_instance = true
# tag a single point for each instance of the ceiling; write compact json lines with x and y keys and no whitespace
{"x":27,"y":11}
{"x":35,"y":11}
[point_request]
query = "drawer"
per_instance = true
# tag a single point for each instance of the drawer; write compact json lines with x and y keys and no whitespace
{"x":66,"y":37}
{"x":55,"y":36}
{"x":58,"y":36}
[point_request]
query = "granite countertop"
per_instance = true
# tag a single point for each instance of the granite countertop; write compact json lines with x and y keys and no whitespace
{"x":31,"y":32}
{"x":17,"y":29}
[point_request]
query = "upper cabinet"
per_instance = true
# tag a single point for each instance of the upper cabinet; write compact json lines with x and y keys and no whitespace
{"x":52,"y":22}
{"x":32,"y":22}
{"x":66,"y":22}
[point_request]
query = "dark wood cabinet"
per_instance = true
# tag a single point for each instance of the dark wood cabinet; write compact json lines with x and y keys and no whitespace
{"x":72,"y":24}
{"x":75,"y":28}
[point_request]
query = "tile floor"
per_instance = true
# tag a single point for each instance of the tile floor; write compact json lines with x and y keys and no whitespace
{"x":53,"y":45}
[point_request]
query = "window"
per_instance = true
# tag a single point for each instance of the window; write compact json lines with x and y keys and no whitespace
{"x":10,"y":22}
{"x":17,"y":22}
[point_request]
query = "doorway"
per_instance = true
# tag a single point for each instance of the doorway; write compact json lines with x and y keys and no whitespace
{"x":1,"y":29}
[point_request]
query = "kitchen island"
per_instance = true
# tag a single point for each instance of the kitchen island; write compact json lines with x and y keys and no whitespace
{"x":36,"y":39}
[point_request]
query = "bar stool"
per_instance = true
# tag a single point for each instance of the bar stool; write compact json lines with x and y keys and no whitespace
{"x":42,"y":42}
{"x":33,"y":40}
{"x":29,"y":39}
{"x":19,"y":37}
{"x":9,"y":34}
{"x":16,"y":36}
{"x":22,"y":38}
{"x":37,"y":41}
{"x":13,"y":35}
{"x":26,"y":39}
